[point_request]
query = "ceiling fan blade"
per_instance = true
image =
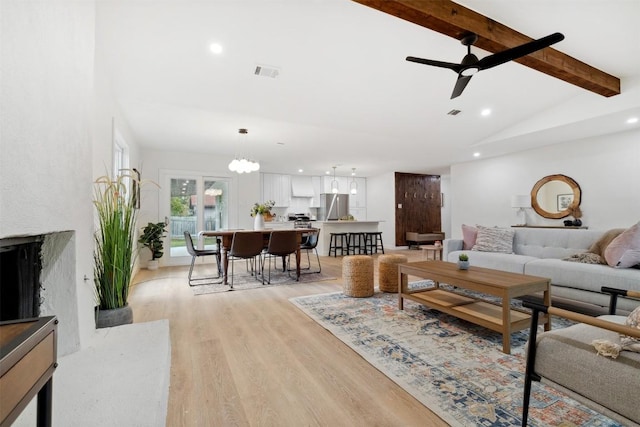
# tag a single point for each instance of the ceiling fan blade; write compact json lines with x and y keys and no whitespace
{"x":518,"y":51}
{"x":441,"y":64}
{"x":461,"y":83}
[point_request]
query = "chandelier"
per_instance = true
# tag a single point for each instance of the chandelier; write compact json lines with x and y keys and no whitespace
{"x":354,"y":184}
{"x":242,"y":164}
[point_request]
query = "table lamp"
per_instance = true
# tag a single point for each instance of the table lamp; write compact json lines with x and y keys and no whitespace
{"x":521,"y":202}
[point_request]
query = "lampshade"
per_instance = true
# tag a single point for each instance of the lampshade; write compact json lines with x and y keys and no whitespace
{"x":521,"y":201}
{"x":354,"y":185}
{"x":334,"y":183}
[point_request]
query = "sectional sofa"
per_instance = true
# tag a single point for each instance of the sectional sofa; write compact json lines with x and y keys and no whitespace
{"x":541,"y":252}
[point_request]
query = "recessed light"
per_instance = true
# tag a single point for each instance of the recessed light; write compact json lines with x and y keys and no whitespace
{"x":632,"y":120}
{"x":327,"y":172}
{"x":476,"y":154}
{"x":300,"y":170}
{"x":215,"y":48}
{"x":486,"y":112}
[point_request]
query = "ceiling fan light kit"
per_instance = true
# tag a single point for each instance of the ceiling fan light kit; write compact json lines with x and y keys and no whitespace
{"x":470,"y":64}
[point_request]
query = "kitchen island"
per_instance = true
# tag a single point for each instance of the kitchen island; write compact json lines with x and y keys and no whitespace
{"x":328,"y":227}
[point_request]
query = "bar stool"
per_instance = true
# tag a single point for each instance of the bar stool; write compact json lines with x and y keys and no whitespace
{"x":373,"y":242}
{"x":356,"y":241}
{"x":338,"y":241}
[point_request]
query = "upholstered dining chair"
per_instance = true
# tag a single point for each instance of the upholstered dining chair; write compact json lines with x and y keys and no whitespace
{"x":282,"y":244}
{"x":195,"y":253}
{"x":310,"y":243}
{"x":247,"y":245}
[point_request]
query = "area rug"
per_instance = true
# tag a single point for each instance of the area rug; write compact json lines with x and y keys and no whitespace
{"x":244,"y":281}
{"x":453,"y":367}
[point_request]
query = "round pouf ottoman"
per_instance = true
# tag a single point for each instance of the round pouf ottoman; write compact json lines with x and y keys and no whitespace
{"x":388,"y":271}
{"x":357,"y":276}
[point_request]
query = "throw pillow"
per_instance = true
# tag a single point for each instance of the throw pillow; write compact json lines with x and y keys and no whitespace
{"x":494,"y":240}
{"x":601,"y":244}
{"x":627,"y":342}
{"x":611,"y":349}
{"x":469,"y":234}
{"x":628,"y":240}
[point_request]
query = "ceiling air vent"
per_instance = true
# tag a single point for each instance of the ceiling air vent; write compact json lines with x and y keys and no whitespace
{"x":267,"y":71}
{"x":454,"y":112}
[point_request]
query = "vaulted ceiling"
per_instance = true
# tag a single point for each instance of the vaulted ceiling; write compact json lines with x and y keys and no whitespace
{"x":344,"y":94}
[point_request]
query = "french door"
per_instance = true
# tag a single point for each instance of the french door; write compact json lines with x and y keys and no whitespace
{"x":193,"y":202}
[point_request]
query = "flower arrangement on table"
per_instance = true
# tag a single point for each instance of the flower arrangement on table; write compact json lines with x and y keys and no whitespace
{"x":263,"y":209}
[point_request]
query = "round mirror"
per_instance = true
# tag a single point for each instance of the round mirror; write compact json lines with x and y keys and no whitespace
{"x":554,"y":195}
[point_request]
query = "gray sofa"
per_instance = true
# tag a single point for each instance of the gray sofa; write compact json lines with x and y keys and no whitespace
{"x":540,"y":252}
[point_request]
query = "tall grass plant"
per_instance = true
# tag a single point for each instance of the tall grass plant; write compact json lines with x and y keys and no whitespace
{"x":115,"y":244}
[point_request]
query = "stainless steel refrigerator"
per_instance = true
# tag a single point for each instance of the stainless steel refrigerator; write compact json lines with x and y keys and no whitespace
{"x":333,"y":206}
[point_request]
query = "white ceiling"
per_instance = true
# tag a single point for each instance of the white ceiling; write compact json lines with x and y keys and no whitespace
{"x":345,"y":95}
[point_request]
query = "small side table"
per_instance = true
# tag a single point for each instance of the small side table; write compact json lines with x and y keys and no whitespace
{"x":433,"y":250}
{"x":28,"y":357}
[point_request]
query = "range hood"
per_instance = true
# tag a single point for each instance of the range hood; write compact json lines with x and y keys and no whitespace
{"x":301,"y":186}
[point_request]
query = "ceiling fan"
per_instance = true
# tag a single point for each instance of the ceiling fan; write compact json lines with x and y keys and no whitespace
{"x":471,"y":64}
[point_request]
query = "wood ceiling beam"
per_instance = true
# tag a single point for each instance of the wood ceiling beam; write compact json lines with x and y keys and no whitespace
{"x":454,"y":20}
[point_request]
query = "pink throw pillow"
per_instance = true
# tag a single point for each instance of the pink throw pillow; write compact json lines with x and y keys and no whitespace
{"x":628,"y":241}
{"x":469,"y":235}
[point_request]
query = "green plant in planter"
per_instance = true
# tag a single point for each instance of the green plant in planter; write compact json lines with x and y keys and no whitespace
{"x":463,"y":257}
{"x":152,"y":238}
{"x":115,"y":244}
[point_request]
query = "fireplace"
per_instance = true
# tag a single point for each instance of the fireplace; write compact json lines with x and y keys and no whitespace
{"x":20,"y":267}
{"x":38,"y":278}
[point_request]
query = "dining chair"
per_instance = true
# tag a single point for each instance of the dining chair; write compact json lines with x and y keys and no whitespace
{"x":195,"y":253}
{"x":282,"y":244}
{"x":247,"y":245}
{"x":310,"y":243}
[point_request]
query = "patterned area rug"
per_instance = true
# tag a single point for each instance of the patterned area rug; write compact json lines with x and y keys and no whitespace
{"x":453,"y":367}
{"x":244,"y":281}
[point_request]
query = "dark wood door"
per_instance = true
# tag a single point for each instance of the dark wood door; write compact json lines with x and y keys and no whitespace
{"x":418,"y":204}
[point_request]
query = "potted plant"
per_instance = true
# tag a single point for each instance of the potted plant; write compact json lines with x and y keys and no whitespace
{"x":463,"y":261}
{"x":115,"y":244}
{"x":260,"y":211}
{"x":153,"y":238}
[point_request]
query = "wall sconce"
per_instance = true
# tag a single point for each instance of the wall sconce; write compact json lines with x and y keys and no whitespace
{"x":521,"y":202}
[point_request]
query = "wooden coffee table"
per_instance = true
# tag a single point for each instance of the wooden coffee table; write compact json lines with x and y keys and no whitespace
{"x":499,"y":318}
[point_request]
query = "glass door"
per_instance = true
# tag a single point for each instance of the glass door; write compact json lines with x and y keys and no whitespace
{"x":193,"y":203}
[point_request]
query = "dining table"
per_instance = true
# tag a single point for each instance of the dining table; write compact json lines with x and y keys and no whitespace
{"x":226,"y":238}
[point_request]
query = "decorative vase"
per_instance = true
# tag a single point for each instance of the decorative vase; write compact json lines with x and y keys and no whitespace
{"x":577,"y":222}
{"x":114,"y":317}
{"x":152,"y":264}
{"x":258,"y":222}
{"x":463,"y":265}
{"x":568,"y":223}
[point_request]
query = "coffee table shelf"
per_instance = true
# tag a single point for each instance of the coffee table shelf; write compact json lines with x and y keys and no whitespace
{"x":500,"y":318}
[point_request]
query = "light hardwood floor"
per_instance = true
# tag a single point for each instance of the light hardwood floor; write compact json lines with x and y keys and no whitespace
{"x":251,"y":358}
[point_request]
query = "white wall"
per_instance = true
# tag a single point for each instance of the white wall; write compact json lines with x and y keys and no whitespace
{"x":607,"y":168}
{"x":47,"y":53}
{"x":381,"y":195}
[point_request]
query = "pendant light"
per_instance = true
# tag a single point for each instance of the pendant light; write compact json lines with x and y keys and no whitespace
{"x":354,"y":185}
{"x":334,"y":183}
{"x":243,"y":165}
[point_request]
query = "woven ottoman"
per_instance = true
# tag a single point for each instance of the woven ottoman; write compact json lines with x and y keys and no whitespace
{"x":388,"y":271}
{"x":357,"y":276}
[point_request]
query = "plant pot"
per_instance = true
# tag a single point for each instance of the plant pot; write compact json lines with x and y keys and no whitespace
{"x":152,"y":264}
{"x":463,"y":265}
{"x":258,"y":222}
{"x":114,"y":317}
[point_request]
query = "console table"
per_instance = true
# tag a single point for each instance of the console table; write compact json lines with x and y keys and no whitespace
{"x":576,"y":227}
{"x":28,"y":357}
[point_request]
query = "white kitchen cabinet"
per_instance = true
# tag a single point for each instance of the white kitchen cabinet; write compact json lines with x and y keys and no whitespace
{"x":316,"y":183}
{"x":358,"y":200}
{"x":276,"y":187}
